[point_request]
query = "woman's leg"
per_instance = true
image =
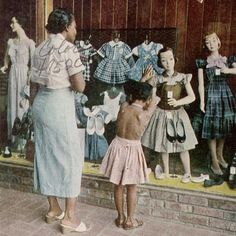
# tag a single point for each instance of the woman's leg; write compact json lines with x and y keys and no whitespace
{"x":119,"y":202}
{"x":215,"y":165}
{"x":184,"y":156}
{"x":165,"y":161}
{"x":54,"y":207}
{"x":71,"y":218}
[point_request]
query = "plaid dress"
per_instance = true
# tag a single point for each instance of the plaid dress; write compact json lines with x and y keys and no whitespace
{"x":114,"y":66}
{"x":220,"y":105}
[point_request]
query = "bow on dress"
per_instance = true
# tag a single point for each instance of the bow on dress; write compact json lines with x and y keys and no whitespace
{"x":219,"y":62}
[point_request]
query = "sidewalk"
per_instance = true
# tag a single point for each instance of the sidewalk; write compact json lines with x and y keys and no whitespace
{"x":21,"y":215}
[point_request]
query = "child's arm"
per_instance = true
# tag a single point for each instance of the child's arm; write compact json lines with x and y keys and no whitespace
{"x":183,"y":101}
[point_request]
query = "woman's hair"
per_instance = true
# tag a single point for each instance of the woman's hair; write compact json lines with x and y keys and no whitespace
{"x":138,"y":91}
{"x":165,"y":49}
{"x":58,"y":20}
{"x":208,"y":35}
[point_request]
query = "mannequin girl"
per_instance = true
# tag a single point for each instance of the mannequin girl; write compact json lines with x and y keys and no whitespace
{"x":216,"y":100}
{"x":18,"y":53}
{"x":170,"y":130}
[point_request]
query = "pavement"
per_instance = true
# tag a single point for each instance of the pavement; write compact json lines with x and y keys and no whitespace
{"x":21,"y":214}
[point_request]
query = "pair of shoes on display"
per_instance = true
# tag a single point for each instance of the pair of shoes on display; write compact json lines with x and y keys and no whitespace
{"x":186,"y":178}
{"x":95,"y":122}
{"x":200,"y":179}
{"x":7,"y":152}
{"x":175,"y":132}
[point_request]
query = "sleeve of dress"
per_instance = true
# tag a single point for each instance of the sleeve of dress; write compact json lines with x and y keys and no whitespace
{"x":159,"y":47}
{"x":127,"y":51}
{"x":73,"y":62}
{"x":186,"y":78}
{"x":231,"y":60}
{"x":201,"y":64}
{"x":135,"y":51}
{"x":102,"y":50}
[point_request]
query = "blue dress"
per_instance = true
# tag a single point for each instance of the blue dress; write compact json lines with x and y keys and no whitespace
{"x":219,"y":118}
{"x":147,"y":56}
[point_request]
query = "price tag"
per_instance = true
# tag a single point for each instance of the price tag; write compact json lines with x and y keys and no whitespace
{"x":169,"y":94}
{"x":232,"y":170}
{"x":217,"y":72}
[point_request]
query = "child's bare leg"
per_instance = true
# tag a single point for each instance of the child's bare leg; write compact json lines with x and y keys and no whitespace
{"x":184,"y":156}
{"x":212,"y":147}
{"x":119,"y":202}
{"x":54,"y":207}
{"x":165,"y":161}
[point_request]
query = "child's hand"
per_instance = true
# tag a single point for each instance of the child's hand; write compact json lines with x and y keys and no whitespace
{"x":173,"y":102}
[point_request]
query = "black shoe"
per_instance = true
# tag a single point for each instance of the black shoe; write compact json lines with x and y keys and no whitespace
{"x":215,"y":181}
{"x":7,"y":152}
{"x":170,"y":130}
{"x":180,"y":131}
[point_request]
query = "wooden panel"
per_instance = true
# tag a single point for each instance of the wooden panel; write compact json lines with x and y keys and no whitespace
{"x":144,"y":13}
{"x":107,"y":14}
{"x":78,"y":4}
{"x":69,"y":4}
{"x":132,"y":14}
{"x":194,"y":38}
{"x":87,"y":14}
{"x":181,"y":23}
{"x":158,"y":14}
{"x":96,"y":14}
{"x":120,"y":14}
{"x":171,"y":13}
{"x":57,"y":3}
{"x":232,"y":46}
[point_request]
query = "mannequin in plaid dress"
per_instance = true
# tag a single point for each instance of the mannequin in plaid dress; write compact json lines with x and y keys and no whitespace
{"x":216,"y":100}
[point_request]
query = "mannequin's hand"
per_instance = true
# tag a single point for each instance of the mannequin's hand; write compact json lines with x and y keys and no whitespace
{"x":3,"y":69}
{"x":202,"y":107}
{"x":173,"y":102}
{"x":225,"y":70}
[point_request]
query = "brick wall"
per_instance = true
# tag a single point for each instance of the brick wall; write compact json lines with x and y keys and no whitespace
{"x":191,"y":207}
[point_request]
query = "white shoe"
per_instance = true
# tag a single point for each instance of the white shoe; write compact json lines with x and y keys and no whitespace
{"x":90,"y":125}
{"x":99,"y":124}
{"x":186,"y":178}
{"x":159,"y":173}
{"x":200,"y":179}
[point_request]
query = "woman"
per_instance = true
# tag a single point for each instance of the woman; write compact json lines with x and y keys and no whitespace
{"x":57,"y":71}
{"x":19,"y":53}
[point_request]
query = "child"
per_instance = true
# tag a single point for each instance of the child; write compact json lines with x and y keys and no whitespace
{"x":170,"y":130}
{"x":124,"y":163}
{"x":216,"y":100}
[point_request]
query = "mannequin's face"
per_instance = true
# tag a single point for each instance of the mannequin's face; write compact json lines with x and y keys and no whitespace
{"x":212,"y":43}
{"x":71,"y":32}
{"x":167,"y":60}
{"x":14,"y":24}
{"x":117,"y":38}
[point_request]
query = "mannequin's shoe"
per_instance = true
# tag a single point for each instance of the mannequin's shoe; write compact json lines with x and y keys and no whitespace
{"x":170,"y":130}
{"x":180,"y":131}
{"x":7,"y":152}
{"x":223,"y":164}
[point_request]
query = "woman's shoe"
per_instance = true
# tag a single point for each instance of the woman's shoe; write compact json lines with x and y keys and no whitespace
{"x":170,"y":130}
{"x":82,"y":227}
{"x":52,"y":219}
{"x":180,"y":131}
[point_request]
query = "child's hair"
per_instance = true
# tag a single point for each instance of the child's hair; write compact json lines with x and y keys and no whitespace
{"x":208,"y":35}
{"x":164,"y":49}
{"x":138,"y":91}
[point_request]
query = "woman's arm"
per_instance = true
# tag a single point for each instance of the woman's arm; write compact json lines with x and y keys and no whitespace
{"x":78,"y":82}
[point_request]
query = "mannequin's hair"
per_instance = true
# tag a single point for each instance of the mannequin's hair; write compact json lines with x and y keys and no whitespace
{"x":208,"y":35}
{"x":22,"y":20}
{"x":58,"y":20}
{"x":165,"y":49}
{"x":138,"y":91}
{"x":115,"y":34}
